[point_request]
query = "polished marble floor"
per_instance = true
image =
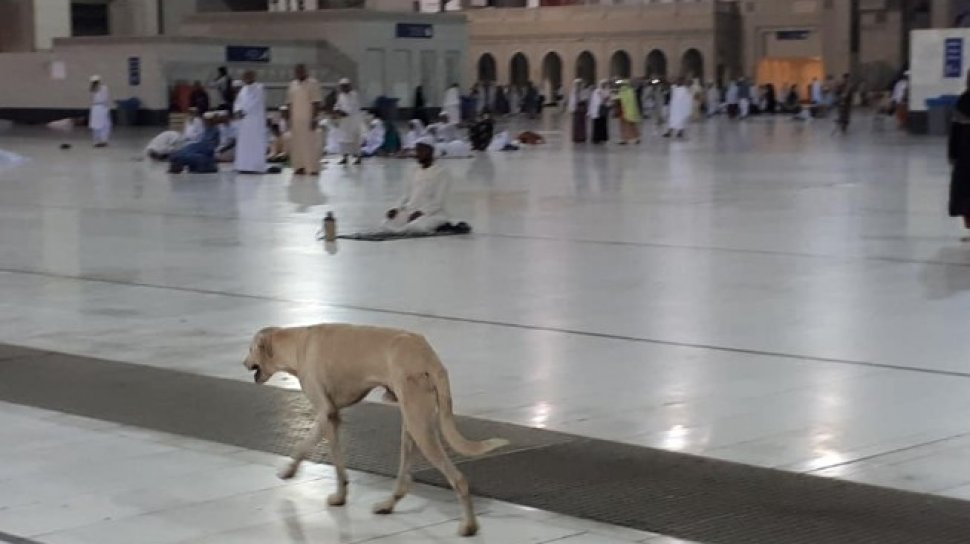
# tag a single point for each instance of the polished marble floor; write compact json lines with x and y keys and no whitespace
{"x":763,"y":292}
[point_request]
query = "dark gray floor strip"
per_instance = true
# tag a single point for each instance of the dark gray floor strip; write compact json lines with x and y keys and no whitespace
{"x":674,"y":494}
{"x":504,"y":324}
{"x":14,"y":539}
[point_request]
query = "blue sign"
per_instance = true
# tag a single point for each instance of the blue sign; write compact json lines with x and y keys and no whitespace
{"x":415,"y":30}
{"x":134,"y":71}
{"x":783,"y":35}
{"x":953,"y":57}
{"x":247,"y":53}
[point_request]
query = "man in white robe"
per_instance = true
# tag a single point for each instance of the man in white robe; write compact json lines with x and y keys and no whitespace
{"x":452,"y":103}
{"x":448,"y":142}
{"x":817,"y":95}
{"x":304,"y":98}
{"x":194,"y":127}
{"x":347,"y":112}
{"x":99,"y":118}
{"x":713,"y":99}
{"x":422,"y":208}
{"x":681,"y":104}
{"x":251,"y":141}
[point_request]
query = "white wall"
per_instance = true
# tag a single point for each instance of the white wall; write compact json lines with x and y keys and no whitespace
{"x":52,"y":19}
{"x":926,"y":65}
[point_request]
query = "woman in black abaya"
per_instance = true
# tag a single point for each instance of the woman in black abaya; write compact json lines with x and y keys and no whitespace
{"x":959,"y":153}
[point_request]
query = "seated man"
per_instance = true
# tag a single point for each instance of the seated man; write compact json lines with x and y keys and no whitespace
{"x":194,"y":127}
{"x":374,"y":139}
{"x":163,"y":145}
{"x":415,"y":132}
{"x":198,"y":157}
{"x":421,"y":210}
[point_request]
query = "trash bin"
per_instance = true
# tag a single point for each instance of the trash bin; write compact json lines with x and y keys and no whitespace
{"x":938,"y":113}
{"x":128,"y":111}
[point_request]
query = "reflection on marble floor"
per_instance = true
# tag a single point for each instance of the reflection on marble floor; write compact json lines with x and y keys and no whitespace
{"x":762,"y":292}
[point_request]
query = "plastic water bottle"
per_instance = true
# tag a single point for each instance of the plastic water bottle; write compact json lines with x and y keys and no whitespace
{"x":330,"y":227}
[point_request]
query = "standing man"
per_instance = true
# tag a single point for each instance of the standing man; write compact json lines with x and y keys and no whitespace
{"x":744,"y":98}
{"x":223,"y":85}
{"x":347,"y":111}
{"x":99,"y":118}
{"x":452,"y":103}
{"x":304,"y":100}
{"x":681,"y":104}
{"x":251,"y":142}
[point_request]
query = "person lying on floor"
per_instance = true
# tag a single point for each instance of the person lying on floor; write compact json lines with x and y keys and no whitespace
{"x":422,"y":208}
{"x":448,"y":141}
{"x":162,"y":146}
{"x":198,"y":157}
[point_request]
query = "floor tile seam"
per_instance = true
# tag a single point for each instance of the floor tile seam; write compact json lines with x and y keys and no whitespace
{"x":888,"y":452}
{"x":503,"y":324}
{"x":155,"y":213}
{"x":186,"y":504}
{"x":365,"y":540}
{"x":813,"y":256}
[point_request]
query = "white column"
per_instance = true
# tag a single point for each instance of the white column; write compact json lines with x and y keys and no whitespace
{"x":52,"y":19}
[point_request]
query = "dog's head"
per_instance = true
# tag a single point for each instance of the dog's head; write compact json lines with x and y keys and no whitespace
{"x":260,"y":360}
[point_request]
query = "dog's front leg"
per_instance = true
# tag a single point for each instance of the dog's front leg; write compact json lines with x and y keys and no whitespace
{"x":331,"y":431}
{"x":303,"y":449}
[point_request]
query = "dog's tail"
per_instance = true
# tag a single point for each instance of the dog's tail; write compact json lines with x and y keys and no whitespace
{"x":446,"y":418}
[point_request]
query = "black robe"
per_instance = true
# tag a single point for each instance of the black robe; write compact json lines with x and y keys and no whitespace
{"x":959,"y":153}
{"x":502,"y":106}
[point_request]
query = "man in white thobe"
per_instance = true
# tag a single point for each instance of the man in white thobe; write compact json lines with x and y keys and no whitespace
{"x":304,"y":99}
{"x":374,"y":140}
{"x":681,"y":104}
{"x":422,"y":208}
{"x":347,"y":111}
{"x":194,"y":127}
{"x":817,"y":96}
{"x":447,"y":139}
{"x":163,"y":145}
{"x":251,"y":141}
{"x":99,"y":117}
{"x":452,"y":103}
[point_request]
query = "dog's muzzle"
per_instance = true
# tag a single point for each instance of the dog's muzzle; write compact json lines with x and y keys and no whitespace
{"x":257,"y":374}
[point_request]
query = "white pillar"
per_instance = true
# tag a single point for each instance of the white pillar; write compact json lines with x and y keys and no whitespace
{"x":52,"y":19}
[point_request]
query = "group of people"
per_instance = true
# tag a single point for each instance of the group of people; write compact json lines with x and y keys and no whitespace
{"x":592,"y":107}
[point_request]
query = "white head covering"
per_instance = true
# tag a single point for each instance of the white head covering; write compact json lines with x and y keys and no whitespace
{"x":424,"y":140}
{"x":237,"y":83}
{"x":344,"y":81}
{"x":95,"y":78}
{"x":375,"y":123}
{"x":417,"y":124}
{"x":210,"y":115}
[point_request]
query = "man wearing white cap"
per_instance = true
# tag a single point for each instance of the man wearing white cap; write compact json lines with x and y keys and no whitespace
{"x":99,"y":118}
{"x":347,"y":111}
{"x":252,"y":140}
{"x":304,"y":99}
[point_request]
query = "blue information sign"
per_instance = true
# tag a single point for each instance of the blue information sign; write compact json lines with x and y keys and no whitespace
{"x":134,"y":71}
{"x":247,"y":53}
{"x":792,"y":34}
{"x":953,"y":57}
{"x":415,"y":30}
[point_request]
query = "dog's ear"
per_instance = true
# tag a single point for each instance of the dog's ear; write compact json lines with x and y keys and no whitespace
{"x":264,"y":342}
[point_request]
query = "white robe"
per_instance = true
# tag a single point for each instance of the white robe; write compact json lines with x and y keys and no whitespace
{"x":817,"y":95}
{"x":899,"y":91}
{"x":99,"y":118}
{"x":732,"y":94}
{"x":713,"y":101}
{"x":416,"y":133}
{"x":681,"y":104}
{"x":348,"y":127}
{"x":426,"y":194}
{"x":165,"y":143}
{"x":194,"y":130}
{"x":599,"y":98}
{"x":303,"y":98}
{"x":252,"y":141}
{"x":452,"y":104}
{"x":445,"y":132}
{"x":374,"y":140}
{"x":453,"y":149}
{"x":500,"y":141}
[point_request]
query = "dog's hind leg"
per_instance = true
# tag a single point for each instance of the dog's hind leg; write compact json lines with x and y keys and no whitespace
{"x":303,"y":449}
{"x":331,"y":431}
{"x":403,"y":474}
{"x":419,"y":407}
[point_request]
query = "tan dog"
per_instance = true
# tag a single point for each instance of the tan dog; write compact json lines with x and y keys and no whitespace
{"x":338,"y":365}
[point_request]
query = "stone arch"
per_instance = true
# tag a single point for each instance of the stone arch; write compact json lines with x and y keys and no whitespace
{"x":692,"y":64}
{"x":552,"y":69}
{"x":487,"y":68}
{"x":586,"y":67}
{"x":621,"y":65}
{"x":656,"y":65}
{"x":519,"y":69}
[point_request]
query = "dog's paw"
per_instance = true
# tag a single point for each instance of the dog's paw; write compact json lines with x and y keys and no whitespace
{"x":337,"y":499}
{"x":287,"y":473}
{"x":468,"y":528}
{"x":384,"y":508}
